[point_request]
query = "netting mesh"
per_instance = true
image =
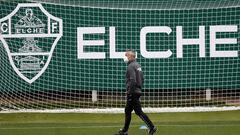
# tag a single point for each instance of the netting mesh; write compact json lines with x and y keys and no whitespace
{"x":68,"y":81}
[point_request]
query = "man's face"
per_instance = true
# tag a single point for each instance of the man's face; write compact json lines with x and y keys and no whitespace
{"x":129,"y":55}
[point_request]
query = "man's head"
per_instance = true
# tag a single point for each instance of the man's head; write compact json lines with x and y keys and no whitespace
{"x":129,"y":56}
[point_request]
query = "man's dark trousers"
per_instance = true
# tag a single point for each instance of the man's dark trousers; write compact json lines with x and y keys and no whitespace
{"x":133,"y":103}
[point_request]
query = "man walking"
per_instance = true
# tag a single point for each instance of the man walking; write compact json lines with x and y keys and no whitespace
{"x":134,"y":83}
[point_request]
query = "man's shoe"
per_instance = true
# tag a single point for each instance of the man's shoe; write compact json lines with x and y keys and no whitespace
{"x":121,"y":133}
{"x":152,"y":131}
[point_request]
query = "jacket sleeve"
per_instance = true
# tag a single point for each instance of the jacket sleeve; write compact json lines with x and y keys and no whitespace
{"x":132,"y":78}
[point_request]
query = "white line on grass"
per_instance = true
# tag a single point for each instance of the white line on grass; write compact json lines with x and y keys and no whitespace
{"x":121,"y":110}
{"x":117,"y":126}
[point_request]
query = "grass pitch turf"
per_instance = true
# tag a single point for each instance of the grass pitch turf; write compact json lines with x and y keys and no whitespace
{"x":201,"y":123}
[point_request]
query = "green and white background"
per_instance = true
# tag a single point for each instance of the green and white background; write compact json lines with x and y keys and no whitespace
{"x":170,"y":82}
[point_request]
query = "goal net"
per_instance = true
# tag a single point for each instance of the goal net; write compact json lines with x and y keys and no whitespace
{"x":67,"y":55}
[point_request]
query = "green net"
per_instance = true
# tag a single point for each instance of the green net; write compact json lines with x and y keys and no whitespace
{"x":41,"y":76}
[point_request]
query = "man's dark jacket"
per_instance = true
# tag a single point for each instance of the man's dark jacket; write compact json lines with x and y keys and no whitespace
{"x":134,"y":77}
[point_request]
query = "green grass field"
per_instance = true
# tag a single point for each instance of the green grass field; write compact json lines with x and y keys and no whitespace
{"x":207,"y":123}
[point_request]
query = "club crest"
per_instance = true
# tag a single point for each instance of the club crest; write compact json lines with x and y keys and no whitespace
{"x":29,"y":35}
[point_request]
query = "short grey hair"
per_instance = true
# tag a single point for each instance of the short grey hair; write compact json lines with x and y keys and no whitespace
{"x":132,"y":51}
